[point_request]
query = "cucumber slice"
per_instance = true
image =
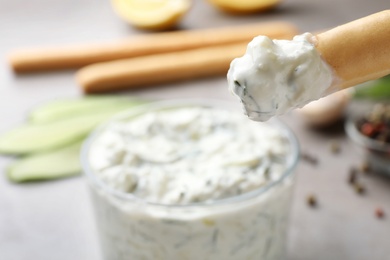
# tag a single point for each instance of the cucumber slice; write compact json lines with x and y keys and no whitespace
{"x":66,"y":108}
{"x":43,"y":137}
{"x":60,"y":163}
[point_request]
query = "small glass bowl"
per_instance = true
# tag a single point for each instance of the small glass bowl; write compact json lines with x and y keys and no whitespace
{"x":376,"y":152}
{"x":252,"y":225}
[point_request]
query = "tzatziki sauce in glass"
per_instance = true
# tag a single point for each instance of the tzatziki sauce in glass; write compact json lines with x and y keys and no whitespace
{"x":191,"y":182}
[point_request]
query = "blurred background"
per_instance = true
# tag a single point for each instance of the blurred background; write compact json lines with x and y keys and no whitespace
{"x":347,"y":177}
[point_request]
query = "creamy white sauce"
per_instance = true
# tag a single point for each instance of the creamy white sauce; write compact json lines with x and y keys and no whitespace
{"x":275,"y":76}
{"x":187,"y":155}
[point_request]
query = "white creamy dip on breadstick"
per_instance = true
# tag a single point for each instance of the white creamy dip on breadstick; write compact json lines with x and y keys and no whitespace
{"x":275,"y":76}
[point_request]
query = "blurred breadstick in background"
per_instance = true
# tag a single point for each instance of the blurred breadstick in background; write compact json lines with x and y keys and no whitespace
{"x":40,"y":59}
{"x":168,"y":67}
{"x":159,"y":68}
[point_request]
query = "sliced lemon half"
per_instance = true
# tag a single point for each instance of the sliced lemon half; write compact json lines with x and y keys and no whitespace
{"x":244,"y":6}
{"x":152,"y":14}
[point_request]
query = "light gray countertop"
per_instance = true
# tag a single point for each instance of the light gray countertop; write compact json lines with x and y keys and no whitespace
{"x":54,"y":220}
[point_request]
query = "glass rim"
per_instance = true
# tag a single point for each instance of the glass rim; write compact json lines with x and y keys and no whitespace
{"x":96,"y":182}
{"x":356,"y":136}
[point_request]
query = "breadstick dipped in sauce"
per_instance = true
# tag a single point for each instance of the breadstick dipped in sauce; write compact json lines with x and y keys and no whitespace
{"x":275,"y":76}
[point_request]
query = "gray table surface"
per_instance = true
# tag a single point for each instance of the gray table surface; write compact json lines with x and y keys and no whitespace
{"x":54,"y":220}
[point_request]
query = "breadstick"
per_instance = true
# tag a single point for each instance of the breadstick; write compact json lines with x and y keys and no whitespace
{"x":162,"y":68}
{"x":158,"y":68}
{"x":358,"y":51}
{"x":77,"y":56}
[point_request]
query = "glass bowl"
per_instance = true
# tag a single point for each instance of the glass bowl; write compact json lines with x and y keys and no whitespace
{"x":249,"y":226}
{"x":376,"y":152}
